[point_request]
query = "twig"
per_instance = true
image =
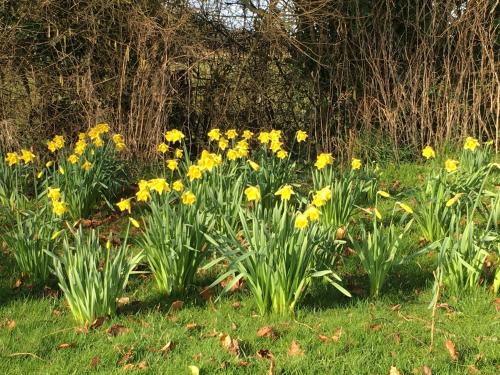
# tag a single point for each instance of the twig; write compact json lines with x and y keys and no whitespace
{"x":29,"y":354}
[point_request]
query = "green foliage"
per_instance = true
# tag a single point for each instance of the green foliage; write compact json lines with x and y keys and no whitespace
{"x":379,"y":250}
{"x":84,"y":190}
{"x":32,"y":242}
{"x":460,"y":258}
{"x":92,"y":277}
{"x":174,"y":242}
{"x":276,"y":260}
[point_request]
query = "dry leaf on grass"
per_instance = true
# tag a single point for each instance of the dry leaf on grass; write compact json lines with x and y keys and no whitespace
{"x":397,"y":338}
{"x":97,"y":322}
{"x":230,"y":344}
{"x":451,"y":349}
{"x":426,"y":370}
{"x":335,"y":337}
{"x":122,"y":301}
{"x":266,"y":331}
{"x":394,"y":371}
{"x":10,"y":324}
{"x":295,"y":350}
{"x":265,"y":354}
{"x":207,"y":293}
{"x":126,"y":357}
{"x":94,"y":362}
{"x":236,"y":305}
{"x":117,"y":329}
{"x":176,"y":306}
{"x":192,"y":326}
{"x":375,"y":327}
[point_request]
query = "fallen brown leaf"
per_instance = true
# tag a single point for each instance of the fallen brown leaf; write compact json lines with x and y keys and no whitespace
{"x":266,"y":331}
{"x":397,"y":338}
{"x":324,"y":338}
{"x":236,"y":305}
{"x":11,"y":324}
{"x":427,"y":370}
{"x":375,"y":327}
{"x":95,"y":362}
{"x":122,"y":301}
{"x":142,"y":365}
{"x":234,"y":327}
{"x":49,"y":292}
{"x":230,"y":344}
{"x":472,"y":369}
{"x":265,"y":354}
{"x":236,"y":287}
{"x":191,"y":326}
{"x":176,"y":306}
{"x":496,"y":302}
{"x":98,"y":322}
{"x":126,"y":357}
{"x":117,"y":329}
{"x":451,"y":349}
{"x":394,"y":371}
{"x":338,"y":333}
{"x":207,"y":293}
{"x":18,"y":284}
{"x":295,"y":350}
{"x":243,"y":363}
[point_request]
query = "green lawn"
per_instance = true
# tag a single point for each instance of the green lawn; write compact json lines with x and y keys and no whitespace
{"x":334,"y":334}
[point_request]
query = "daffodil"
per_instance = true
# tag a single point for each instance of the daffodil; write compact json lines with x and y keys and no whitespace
{"x":143,"y":195}
{"x":125,"y":205}
{"x":377,"y":213}
{"x":451,"y":165}
{"x":223,"y":143}
{"x":59,"y":208}
{"x":428,"y":152}
{"x":178,"y":185}
{"x":73,"y":158}
{"x":172,"y":164}
{"x":321,"y":197}
{"x":355,"y":164}
{"x":301,"y":221}
{"x":174,"y":136}
{"x":159,"y":185}
{"x":188,"y":198}
{"x":285,"y":192}
{"x":312,"y":213}
{"x":231,"y":134}
{"x":27,"y":156}
{"x":254,"y":165}
{"x":87,"y":166}
{"x":471,"y":144}
{"x":54,"y":194}
{"x":118,"y":138}
{"x":194,"y":173}
{"x":162,"y":147}
{"x":282,"y":154}
{"x":134,"y":222}
{"x":120,"y":146}
{"x":49,"y":164}
{"x":384,"y":194}
{"x":252,"y":193}
{"x":98,"y":142}
{"x":405,"y":207}
{"x":264,"y":138}
{"x":178,"y":153}
{"x":247,"y":135}
{"x":214,"y":134}
{"x":323,"y":160}
{"x":232,"y":154}
{"x":61,"y":170}
{"x":276,"y":145}
{"x":80,"y":147}
{"x":12,"y":158}
{"x":301,"y":136}
{"x":453,"y":200}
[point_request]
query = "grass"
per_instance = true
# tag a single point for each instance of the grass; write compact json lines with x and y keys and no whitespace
{"x":38,"y":334}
